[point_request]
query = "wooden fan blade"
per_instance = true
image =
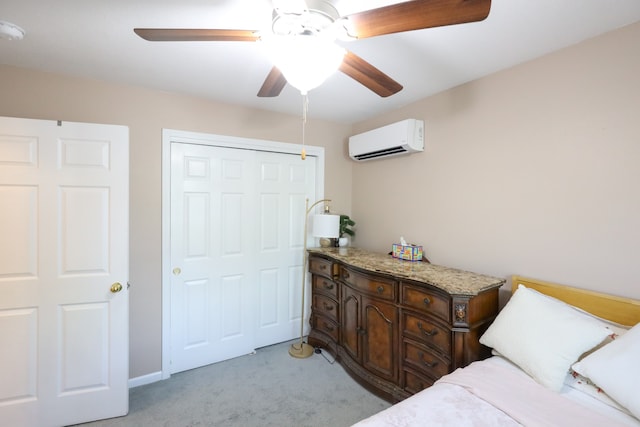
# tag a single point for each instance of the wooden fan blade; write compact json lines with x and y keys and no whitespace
{"x":416,"y":15}
{"x":368,"y":75}
{"x":273,"y":84}
{"x":195,"y":35}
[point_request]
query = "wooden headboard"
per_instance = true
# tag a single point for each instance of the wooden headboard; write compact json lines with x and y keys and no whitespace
{"x":625,"y":311}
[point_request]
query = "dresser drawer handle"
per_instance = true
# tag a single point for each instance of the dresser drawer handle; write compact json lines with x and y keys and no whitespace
{"x":426,"y":301}
{"x":430,"y":333}
{"x":328,"y":285}
{"x":327,"y":307}
{"x":361,"y":331}
{"x":425,"y":363}
{"x":380,"y":289}
{"x":346,"y":275}
{"x":328,"y":327}
{"x":322,"y":267}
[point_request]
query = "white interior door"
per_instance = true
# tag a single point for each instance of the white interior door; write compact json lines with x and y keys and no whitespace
{"x":64,"y":228}
{"x":284,"y":183}
{"x":211,"y":316}
{"x":236,"y":250}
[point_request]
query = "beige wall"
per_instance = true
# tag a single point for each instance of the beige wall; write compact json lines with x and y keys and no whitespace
{"x":534,"y":170}
{"x":37,"y":95}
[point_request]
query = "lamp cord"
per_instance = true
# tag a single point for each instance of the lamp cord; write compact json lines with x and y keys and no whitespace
{"x":319,"y":351}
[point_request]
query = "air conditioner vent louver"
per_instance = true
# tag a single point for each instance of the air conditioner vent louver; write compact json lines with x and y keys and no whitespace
{"x":381,"y":153}
{"x":396,"y":139}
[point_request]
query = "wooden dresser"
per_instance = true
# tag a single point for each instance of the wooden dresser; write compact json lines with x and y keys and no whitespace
{"x":397,"y":326}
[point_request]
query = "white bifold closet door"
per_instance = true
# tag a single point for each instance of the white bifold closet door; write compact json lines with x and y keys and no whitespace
{"x":237,"y":219}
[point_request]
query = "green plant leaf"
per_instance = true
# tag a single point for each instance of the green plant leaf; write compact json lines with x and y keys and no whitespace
{"x":345,"y":224}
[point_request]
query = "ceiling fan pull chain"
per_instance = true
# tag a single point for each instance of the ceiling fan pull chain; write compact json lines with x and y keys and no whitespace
{"x":305,"y":108}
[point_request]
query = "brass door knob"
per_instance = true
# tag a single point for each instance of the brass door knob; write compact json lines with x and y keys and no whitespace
{"x":116,"y":287}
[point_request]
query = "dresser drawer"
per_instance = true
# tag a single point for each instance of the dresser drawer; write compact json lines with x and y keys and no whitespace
{"x":424,"y":360}
{"x":325,"y":325}
{"x":414,"y":382}
{"x":325,"y":286}
{"x":425,"y":300}
{"x":372,"y":285}
{"x":321,"y":266}
{"x":425,"y":331}
{"x":326,"y":306}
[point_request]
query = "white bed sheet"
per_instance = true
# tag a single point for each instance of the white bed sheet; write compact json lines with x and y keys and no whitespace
{"x":441,"y":405}
{"x":452,"y":405}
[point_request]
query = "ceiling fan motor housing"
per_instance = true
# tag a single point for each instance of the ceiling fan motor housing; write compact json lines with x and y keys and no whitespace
{"x":318,"y":17}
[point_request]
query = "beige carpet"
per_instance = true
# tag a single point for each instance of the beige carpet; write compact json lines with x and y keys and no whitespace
{"x":269,"y":388}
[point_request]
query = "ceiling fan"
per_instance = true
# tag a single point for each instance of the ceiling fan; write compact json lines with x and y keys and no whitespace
{"x":319,"y":20}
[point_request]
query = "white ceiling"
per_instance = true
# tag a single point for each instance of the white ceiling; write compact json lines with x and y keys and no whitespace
{"x":95,"y":39}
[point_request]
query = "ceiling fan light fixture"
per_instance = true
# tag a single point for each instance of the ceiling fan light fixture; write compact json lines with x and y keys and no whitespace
{"x":9,"y":31}
{"x":312,"y":27}
{"x":306,"y":61}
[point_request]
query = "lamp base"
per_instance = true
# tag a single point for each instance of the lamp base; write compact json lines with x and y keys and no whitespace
{"x":326,"y":242}
{"x":301,"y":350}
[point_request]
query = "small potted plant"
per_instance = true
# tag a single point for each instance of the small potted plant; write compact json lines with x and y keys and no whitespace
{"x":345,"y":230}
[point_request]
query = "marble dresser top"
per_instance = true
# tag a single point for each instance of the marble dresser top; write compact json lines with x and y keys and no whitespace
{"x":451,"y":280}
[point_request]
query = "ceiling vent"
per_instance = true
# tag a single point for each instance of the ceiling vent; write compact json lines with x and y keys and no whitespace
{"x":405,"y":137}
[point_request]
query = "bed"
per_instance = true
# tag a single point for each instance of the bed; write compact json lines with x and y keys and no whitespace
{"x":562,"y":356}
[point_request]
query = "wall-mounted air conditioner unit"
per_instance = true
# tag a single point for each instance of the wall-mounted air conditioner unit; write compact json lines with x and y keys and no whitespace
{"x":399,"y":138}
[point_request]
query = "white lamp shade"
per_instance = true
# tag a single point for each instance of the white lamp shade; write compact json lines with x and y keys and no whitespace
{"x":325,"y":225}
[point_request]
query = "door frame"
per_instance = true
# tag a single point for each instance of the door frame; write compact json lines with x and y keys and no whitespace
{"x":186,"y":137}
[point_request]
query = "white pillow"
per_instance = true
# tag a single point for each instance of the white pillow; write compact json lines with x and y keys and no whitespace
{"x":614,"y":368}
{"x":584,"y":385}
{"x":542,"y":335}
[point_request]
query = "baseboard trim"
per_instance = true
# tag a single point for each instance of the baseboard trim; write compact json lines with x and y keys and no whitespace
{"x":145,"y":379}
